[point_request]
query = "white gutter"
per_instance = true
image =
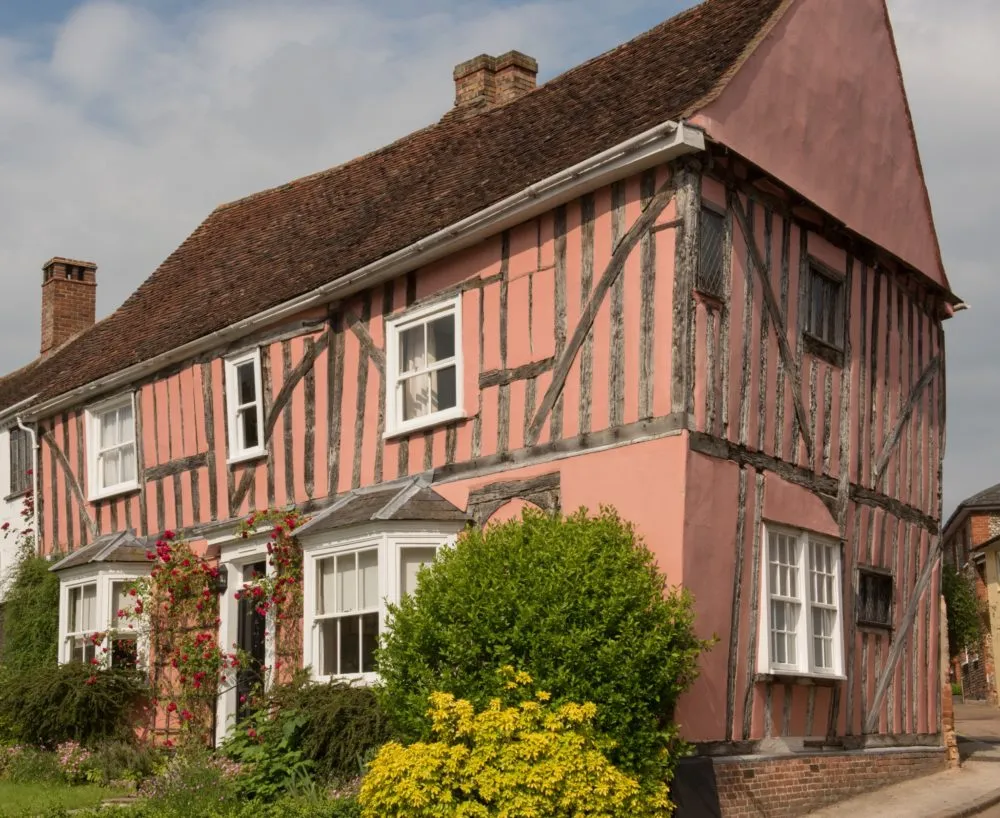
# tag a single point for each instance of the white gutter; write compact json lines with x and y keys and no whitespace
{"x":35,"y":448}
{"x":11,"y":411}
{"x":655,"y":146}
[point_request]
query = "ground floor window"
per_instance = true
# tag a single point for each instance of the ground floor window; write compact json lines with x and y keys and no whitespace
{"x":348,"y":583}
{"x":801,"y":618}
{"x":97,"y":619}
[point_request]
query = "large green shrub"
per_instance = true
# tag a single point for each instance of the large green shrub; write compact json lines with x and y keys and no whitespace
{"x":74,"y":702}
{"x":965,"y":620}
{"x":576,"y":602}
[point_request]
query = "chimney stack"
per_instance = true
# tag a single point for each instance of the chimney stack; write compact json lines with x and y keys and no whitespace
{"x":486,"y":82}
{"x":69,"y":300}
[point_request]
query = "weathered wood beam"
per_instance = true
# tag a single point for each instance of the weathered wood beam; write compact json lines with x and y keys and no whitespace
{"x":778,"y":320}
{"x":501,"y":377}
{"x":614,"y":269}
{"x":360,"y":329}
{"x":178,"y":466}
{"x":892,"y":441}
{"x":288,"y":386}
{"x":822,"y":485}
{"x":71,"y":481}
{"x":899,"y":637}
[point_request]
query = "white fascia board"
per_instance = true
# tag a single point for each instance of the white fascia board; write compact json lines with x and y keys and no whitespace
{"x":660,"y":144}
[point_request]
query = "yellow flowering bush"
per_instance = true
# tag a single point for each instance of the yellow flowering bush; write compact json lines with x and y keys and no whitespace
{"x":527,"y":760}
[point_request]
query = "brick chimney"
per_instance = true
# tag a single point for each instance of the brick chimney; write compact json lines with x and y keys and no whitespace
{"x":69,"y":300}
{"x":486,"y":82}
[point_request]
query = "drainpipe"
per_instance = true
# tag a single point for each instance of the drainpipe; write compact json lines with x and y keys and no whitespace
{"x":34,"y":482}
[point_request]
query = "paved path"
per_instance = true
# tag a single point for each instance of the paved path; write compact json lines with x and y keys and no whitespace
{"x":969,"y":790}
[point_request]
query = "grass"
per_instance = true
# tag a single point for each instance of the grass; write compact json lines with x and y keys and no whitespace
{"x":32,"y":799}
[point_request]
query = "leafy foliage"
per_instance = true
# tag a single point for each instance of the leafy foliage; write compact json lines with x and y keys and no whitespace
{"x":31,"y":605}
{"x":965,"y":620}
{"x":529,"y":759}
{"x":269,"y":750}
{"x":575,"y":602}
{"x":49,"y":705}
{"x":344,"y":724}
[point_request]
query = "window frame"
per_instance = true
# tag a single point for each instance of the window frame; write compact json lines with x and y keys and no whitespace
{"x":814,"y":269}
{"x":104,"y":578}
{"x":237,"y":453}
{"x":394,"y":327}
{"x":805,"y":664}
{"x":389,"y":544}
{"x":15,"y":433}
{"x":96,"y":491}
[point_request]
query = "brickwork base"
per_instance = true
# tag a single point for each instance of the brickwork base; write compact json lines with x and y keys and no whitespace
{"x":793,"y":786}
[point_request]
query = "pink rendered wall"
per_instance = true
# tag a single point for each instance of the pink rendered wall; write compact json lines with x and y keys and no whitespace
{"x":820,"y":105}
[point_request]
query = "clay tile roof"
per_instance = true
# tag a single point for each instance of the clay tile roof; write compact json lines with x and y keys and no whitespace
{"x":277,"y":244}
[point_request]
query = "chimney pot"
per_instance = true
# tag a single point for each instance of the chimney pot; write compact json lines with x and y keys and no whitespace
{"x":69,"y":300}
{"x":486,"y":82}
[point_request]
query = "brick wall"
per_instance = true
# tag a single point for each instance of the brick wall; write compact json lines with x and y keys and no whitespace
{"x":788,"y":787}
{"x":69,"y":301}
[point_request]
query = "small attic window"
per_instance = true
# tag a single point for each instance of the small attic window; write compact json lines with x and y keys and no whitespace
{"x":710,"y":278}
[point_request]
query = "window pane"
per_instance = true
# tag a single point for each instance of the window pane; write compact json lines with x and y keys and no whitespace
{"x":443,"y":395}
{"x":248,"y":424}
{"x":121,"y":600}
{"x":324,"y":587}
{"x":109,"y":469}
{"x":127,"y":463}
{"x":350,"y":644}
{"x":109,"y":429}
{"x":82,"y":609}
{"x":369,"y":642}
{"x":246,"y":383}
{"x":126,"y":428}
{"x":82,"y":649}
{"x":415,"y":396}
{"x":327,"y":647}
{"x":441,"y":339}
{"x":368,"y":585}
{"x":410,"y":560}
{"x":411,"y":349}
{"x":347,"y":583}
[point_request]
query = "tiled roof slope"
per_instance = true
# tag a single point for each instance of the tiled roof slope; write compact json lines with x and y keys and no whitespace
{"x":265,"y":249}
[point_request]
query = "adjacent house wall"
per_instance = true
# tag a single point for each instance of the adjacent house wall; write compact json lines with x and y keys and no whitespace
{"x":10,"y":513}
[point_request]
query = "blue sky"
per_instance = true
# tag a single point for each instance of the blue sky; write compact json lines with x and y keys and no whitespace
{"x":124,"y":122}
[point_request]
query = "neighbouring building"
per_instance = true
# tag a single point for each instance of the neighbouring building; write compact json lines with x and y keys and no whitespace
{"x":971,"y":540}
{"x":696,"y":278}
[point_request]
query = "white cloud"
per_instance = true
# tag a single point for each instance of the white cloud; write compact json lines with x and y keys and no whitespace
{"x":125,"y":127}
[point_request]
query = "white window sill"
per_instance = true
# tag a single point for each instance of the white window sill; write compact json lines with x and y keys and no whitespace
{"x":114,"y":491}
{"x":426,"y":422}
{"x":791,"y":672}
{"x":249,"y":454}
{"x":360,"y":679}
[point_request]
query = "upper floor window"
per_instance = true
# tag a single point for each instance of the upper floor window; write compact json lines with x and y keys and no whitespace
{"x":111,"y":453}
{"x":20,"y":461}
{"x":825,"y":314}
{"x":711,"y":274}
{"x":245,"y":421}
{"x":424,"y":367}
{"x":801,"y":630}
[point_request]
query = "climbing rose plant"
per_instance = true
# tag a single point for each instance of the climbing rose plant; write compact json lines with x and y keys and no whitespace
{"x":176,"y":608}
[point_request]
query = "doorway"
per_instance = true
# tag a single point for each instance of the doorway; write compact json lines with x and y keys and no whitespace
{"x":251,"y":638}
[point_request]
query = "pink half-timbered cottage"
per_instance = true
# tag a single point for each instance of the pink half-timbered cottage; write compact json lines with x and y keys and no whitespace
{"x":696,"y":278}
